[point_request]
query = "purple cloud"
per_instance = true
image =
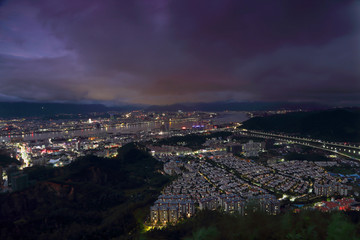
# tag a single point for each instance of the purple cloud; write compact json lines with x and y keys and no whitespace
{"x":167,"y":51}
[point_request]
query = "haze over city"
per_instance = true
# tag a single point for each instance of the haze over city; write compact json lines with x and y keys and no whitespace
{"x":164,"y":52}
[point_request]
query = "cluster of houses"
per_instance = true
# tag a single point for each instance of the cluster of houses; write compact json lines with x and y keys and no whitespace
{"x":344,"y":204}
{"x":331,"y":188}
{"x":234,"y":203}
{"x":170,"y":208}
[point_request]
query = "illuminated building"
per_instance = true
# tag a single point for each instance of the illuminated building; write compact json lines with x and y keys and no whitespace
{"x":170,"y":208}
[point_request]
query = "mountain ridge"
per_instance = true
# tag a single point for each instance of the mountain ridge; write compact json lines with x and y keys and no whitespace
{"x":48,"y":109}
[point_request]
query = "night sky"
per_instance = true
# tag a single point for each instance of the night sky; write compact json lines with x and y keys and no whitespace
{"x":168,"y":51}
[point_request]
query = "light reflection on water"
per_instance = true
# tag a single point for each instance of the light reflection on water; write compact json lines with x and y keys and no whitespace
{"x":129,"y":128}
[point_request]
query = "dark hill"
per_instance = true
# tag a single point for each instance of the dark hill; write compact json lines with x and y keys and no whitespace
{"x":333,"y":125}
{"x":6,"y":160}
{"x":92,"y":198}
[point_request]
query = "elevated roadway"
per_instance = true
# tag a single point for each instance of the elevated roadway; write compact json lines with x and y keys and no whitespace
{"x":348,"y":150}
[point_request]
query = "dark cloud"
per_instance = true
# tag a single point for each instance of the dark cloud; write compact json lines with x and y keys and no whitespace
{"x":166,"y":51}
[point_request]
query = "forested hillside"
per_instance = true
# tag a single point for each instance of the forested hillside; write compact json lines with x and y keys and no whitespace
{"x":332,"y":125}
{"x":92,"y":198}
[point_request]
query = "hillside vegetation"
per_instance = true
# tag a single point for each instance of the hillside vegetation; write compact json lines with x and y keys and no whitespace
{"x":333,"y":125}
{"x":92,"y":198}
{"x":213,"y":225}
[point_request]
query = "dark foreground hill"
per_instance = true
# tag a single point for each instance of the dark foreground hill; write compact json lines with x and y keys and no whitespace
{"x":92,"y":198}
{"x":333,"y":125}
{"x":310,"y":225}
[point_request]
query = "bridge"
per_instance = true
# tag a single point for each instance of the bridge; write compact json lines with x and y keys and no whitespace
{"x":344,"y":149}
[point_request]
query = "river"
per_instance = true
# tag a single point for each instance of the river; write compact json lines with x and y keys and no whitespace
{"x":223,"y":117}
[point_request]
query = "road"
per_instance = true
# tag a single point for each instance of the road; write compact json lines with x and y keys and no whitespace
{"x":350,"y":151}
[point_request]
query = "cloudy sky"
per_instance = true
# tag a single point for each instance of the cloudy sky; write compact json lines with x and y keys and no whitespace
{"x":168,"y":51}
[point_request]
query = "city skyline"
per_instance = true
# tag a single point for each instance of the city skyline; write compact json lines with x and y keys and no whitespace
{"x":164,"y":52}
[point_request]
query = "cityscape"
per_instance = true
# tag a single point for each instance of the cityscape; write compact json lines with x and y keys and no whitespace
{"x":179,"y":119}
{"x":231,"y":168}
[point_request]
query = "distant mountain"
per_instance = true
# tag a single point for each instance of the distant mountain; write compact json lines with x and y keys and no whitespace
{"x":29,"y":109}
{"x":38,"y":109}
{"x":237,"y":106}
{"x":335,"y":124}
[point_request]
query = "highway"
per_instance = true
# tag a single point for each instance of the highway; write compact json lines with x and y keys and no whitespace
{"x":344,"y":149}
